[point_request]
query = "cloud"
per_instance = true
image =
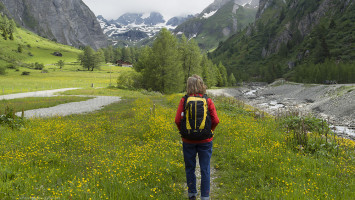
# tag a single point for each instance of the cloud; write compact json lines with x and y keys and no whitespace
{"x":112,"y":9}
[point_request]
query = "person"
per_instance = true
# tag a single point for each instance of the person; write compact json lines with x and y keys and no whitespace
{"x":202,"y":148}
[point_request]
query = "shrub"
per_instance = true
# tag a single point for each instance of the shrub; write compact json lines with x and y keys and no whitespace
{"x":11,"y":66}
{"x":311,"y":135}
{"x":129,"y":80}
{"x":10,"y":119}
{"x":19,"y":49}
{"x":38,"y":66}
{"x":25,"y":73}
{"x":2,"y":70}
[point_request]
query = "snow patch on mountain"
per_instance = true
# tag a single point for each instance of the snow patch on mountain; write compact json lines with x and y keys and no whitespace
{"x":208,"y":15}
{"x":136,"y":27}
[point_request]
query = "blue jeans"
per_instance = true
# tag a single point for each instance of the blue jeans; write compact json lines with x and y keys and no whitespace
{"x":204,"y":151}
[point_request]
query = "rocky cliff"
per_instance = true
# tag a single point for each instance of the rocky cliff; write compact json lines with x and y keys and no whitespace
{"x":68,"y":22}
{"x":218,"y":21}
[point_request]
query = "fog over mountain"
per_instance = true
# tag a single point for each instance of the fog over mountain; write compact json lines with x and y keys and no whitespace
{"x":112,"y":9}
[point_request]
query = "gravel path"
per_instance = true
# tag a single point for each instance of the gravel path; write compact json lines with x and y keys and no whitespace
{"x":97,"y":103}
{"x":44,"y":93}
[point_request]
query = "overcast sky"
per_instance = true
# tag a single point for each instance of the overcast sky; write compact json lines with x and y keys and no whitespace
{"x":112,"y":9}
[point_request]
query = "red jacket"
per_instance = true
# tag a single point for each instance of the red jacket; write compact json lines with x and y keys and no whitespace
{"x":213,"y":113}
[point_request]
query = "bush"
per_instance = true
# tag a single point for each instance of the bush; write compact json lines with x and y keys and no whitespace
{"x":37,"y":66}
{"x":10,"y":119}
{"x":25,"y":73}
{"x":311,"y":135}
{"x":2,"y":70}
{"x":129,"y":80}
{"x":11,"y":66}
{"x":19,"y":49}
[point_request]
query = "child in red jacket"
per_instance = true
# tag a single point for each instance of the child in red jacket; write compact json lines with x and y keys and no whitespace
{"x":196,"y":87}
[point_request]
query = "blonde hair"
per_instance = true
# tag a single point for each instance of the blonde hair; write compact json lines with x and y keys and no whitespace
{"x":195,"y":85}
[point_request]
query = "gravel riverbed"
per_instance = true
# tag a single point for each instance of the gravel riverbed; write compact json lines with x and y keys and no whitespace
{"x":334,"y":103}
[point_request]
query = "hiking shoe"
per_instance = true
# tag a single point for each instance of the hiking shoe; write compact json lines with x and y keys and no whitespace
{"x":192,"y":198}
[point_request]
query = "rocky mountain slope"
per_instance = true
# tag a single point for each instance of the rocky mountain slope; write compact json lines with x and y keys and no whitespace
{"x":68,"y":22}
{"x":219,"y":21}
{"x":137,"y":28}
{"x":288,"y":34}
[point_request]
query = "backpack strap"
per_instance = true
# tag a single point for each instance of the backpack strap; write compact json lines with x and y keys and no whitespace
{"x":185,"y":97}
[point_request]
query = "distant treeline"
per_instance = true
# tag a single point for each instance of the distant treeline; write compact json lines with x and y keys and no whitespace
{"x":126,"y":54}
{"x":325,"y":73}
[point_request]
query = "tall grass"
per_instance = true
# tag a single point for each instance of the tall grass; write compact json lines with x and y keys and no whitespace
{"x":259,"y":159}
{"x":132,"y":150}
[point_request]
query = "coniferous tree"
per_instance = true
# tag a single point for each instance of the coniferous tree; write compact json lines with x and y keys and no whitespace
{"x":232,"y":81}
{"x":86,"y":58}
{"x":90,"y":59}
{"x":144,"y":59}
{"x":5,"y":27}
{"x":126,"y":54}
{"x":163,"y":71}
{"x":99,"y":57}
{"x":117,"y":54}
{"x":210,"y":72}
{"x":61,"y":64}
{"x":190,"y":56}
{"x":224,"y":77}
{"x":109,"y":55}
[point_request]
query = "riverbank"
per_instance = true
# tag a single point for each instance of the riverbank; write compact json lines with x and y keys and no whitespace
{"x":334,"y":103}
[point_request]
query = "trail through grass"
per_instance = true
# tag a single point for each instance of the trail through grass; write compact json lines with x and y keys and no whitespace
{"x":38,"y":102}
{"x":132,"y":150}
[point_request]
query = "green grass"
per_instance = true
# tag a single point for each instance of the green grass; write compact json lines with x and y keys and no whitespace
{"x":68,"y":77}
{"x":71,"y":75}
{"x":129,"y":150}
{"x":38,"y":102}
{"x":40,"y":48}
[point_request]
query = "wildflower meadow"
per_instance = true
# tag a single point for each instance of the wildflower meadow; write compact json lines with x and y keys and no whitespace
{"x":132,"y":150}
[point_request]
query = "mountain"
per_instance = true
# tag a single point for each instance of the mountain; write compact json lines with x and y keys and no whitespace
{"x":137,"y":28}
{"x":68,"y":22}
{"x":290,"y":37}
{"x":218,"y":21}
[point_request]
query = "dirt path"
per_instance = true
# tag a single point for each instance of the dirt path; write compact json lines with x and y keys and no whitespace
{"x":44,"y":93}
{"x":97,"y":103}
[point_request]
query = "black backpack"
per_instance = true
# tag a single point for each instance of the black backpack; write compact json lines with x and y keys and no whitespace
{"x":196,"y":121}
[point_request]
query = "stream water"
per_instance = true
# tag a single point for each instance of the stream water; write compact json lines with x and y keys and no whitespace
{"x":273,"y":107}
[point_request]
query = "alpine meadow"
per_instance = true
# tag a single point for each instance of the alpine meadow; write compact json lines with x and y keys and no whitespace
{"x":280,"y":74}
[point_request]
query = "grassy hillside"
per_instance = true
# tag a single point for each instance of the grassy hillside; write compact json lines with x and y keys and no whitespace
{"x":283,"y":40}
{"x":132,"y":150}
{"x":34,"y":49}
{"x":39,"y":50}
